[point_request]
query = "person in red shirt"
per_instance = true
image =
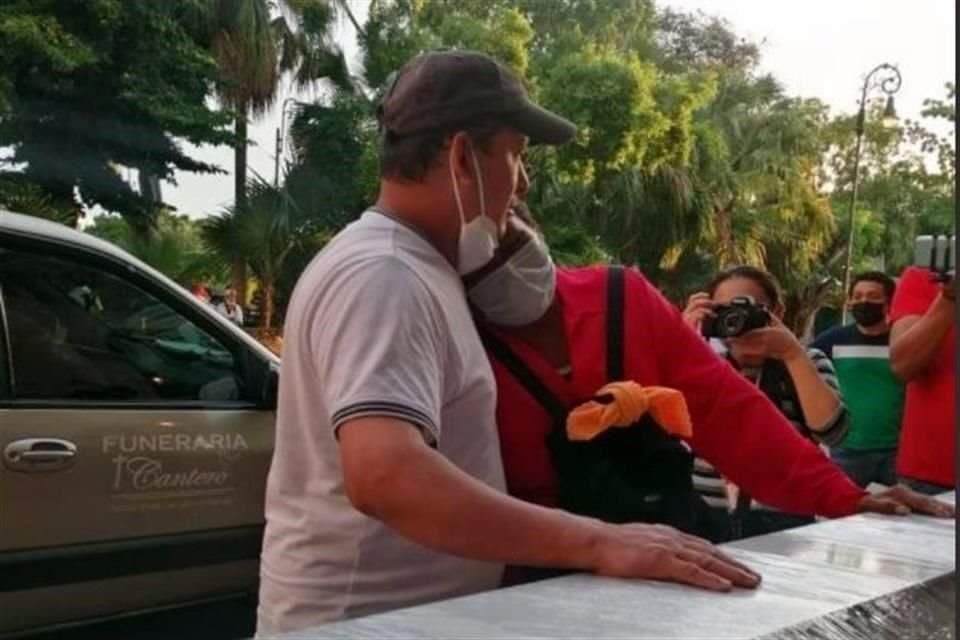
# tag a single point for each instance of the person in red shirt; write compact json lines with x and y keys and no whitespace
{"x":200,"y":292}
{"x":922,"y":354}
{"x":555,"y":321}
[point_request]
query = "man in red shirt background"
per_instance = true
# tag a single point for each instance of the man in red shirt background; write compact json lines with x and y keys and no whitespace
{"x":922,"y":354}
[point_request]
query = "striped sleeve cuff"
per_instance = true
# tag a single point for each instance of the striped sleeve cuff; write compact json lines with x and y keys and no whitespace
{"x":381,"y":409}
{"x":824,"y":367}
{"x":837,"y":429}
{"x":839,"y":424}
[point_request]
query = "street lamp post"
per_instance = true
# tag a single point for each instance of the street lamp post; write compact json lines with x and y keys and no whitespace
{"x":279,"y":144}
{"x":889,"y":82}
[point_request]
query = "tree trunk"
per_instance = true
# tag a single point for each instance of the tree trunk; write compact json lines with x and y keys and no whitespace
{"x":727,"y":253}
{"x":238,"y":278}
{"x":802,"y":308}
{"x":238,"y":267}
{"x":799,"y":316}
{"x":267,"y":304}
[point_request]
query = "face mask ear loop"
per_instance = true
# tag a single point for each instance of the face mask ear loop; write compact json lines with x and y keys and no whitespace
{"x":456,"y":194}
{"x":476,"y":168}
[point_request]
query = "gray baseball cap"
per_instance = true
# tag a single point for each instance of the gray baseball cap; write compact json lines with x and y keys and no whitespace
{"x":445,"y":89}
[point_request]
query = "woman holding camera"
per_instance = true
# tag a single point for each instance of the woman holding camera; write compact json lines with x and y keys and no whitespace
{"x":741,"y":312}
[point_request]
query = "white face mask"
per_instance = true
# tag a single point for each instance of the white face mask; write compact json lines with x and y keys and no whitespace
{"x":520,"y":291}
{"x":479,"y":237}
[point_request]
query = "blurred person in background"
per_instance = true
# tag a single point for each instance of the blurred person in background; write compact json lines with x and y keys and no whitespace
{"x":800,"y":382}
{"x":923,"y":355}
{"x":200,"y":292}
{"x":860,"y":352}
{"x":230,"y":308}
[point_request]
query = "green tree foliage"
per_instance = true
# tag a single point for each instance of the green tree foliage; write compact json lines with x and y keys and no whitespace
{"x":907,"y":181}
{"x":175,"y":248}
{"x":267,"y":232}
{"x":559,"y":28}
{"x":688,"y":158}
{"x":685,"y":41}
{"x":584,"y":59}
{"x":775,"y":172}
{"x":90,"y":86}
{"x":22,"y":196}
{"x":612,"y":101}
{"x":749,"y":193}
{"x":333,"y":174}
{"x":254,"y":44}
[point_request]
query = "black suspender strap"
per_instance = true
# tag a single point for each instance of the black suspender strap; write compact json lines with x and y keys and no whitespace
{"x":615,"y":286}
{"x":524,"y":375}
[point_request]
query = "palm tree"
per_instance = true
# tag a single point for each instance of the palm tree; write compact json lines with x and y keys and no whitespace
{"x":756,"y":160}
{"x":254,"y":44}
{"x":265,"y":231}
{"x":649,"y":217}
{"x":333,"y":171}
{"x":731,"y":163}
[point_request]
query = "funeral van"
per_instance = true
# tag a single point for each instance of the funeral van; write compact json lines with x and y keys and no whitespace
{"x":136,"y":428}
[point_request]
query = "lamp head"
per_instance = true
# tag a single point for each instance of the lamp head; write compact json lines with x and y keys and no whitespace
{"x":890,"y":118}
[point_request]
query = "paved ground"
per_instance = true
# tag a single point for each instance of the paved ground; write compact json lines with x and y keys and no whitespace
{"x":231,"y":620}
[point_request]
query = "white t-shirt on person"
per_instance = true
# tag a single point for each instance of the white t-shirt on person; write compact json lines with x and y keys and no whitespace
{"x":233,"y":313}
{"x":377,"y":325}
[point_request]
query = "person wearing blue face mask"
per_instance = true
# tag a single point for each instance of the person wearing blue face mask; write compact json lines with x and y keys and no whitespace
{"x":873,"y":394}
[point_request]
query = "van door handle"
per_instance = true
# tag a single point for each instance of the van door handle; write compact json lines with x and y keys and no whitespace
{"x":39,"y":454}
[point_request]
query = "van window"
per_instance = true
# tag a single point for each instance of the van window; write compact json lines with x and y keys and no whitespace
{"x":80,"y":333}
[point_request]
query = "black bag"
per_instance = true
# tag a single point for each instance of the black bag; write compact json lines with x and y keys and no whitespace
{"x":635,"y":474}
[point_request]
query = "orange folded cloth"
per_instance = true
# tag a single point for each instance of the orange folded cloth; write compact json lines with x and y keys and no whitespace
{"x":630,"y":401}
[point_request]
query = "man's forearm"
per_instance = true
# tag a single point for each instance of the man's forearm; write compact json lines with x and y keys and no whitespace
{"x":427,"y":499}
{"x":819,"y":402}
{"x":914,"y":344}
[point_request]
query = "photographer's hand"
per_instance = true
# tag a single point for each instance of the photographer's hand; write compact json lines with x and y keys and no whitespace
{"x":902,"y":500}
{"x":775,"y":341}
{"x":820,"y":403}
{"x":699,"y":306}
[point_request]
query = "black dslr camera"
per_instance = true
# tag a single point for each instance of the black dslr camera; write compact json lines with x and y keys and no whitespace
{"x":738,"y":317}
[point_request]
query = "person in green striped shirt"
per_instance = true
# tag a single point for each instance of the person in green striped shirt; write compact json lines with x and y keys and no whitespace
{"x":873,"y":395}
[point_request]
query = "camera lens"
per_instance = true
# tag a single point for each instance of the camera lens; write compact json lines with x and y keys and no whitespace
{"x":733,"y":322}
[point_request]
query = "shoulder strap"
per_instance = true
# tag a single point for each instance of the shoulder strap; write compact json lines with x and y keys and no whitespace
{"x":523,"y":374}
{"x":615,"y":286}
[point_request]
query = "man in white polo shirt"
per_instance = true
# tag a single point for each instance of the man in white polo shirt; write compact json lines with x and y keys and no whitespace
{"x":386,"y":488}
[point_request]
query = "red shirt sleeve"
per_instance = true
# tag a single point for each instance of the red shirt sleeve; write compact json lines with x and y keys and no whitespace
{"x":735,"y":427}
{"x":915,"y":292}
